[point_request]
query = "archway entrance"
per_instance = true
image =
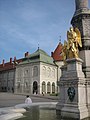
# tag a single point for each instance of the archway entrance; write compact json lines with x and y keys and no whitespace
{"x":35,"y":87}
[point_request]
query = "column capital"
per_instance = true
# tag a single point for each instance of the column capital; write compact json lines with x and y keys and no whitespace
{"x":81,"y":4}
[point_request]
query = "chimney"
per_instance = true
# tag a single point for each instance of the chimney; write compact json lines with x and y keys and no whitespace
{"x":51,"y":54}
{"x":26,"y":54}
{"x":15,"y":59}
{"x":10,"y":60}
{"x":3,"y":62}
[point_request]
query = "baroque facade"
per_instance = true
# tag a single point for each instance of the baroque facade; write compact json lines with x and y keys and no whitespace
{"x":36,"y":73}
{"x":7,"y":75}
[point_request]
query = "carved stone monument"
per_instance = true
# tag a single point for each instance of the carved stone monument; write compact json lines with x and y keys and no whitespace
{"x":74,"y":84}
{"x":72,"y":102}
{"x":81,"y":20}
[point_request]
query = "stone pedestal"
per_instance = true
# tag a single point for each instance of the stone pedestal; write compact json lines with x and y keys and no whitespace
{"x":73,"y":93}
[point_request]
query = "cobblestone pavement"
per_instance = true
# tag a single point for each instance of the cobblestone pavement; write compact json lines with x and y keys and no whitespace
{"x":9,"y":99}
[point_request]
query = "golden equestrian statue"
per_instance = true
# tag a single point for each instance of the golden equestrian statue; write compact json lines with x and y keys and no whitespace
{"x":70,"y":48}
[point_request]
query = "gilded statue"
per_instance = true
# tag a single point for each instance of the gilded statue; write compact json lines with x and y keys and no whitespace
{"x":64,"y":51}
{"x":70,"y":47}
{"x":74,"y":40}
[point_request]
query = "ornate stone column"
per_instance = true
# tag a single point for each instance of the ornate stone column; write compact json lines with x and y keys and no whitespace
{"x":81,"y":20}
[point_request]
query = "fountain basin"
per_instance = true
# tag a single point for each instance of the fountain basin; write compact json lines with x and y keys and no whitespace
{"x":13,"y":113}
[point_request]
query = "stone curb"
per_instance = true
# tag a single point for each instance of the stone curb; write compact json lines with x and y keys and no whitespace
{"x":47,"y":97}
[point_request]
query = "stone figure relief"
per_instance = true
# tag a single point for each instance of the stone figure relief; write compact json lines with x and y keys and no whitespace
{"x":44,"y":70}
{"x":19,"y":72}
{"x":26,"y":86}
{"x":71,"y":93}
{"x":35,"y":71}
{"x":18,"y":85}
{"x":53,"y":73}
{"x":70,"y":47}
{"x":48,"y":71}
{"x":26,"y":72}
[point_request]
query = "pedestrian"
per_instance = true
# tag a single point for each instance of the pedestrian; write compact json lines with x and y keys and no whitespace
{"x":28,"y":100}
{"x":43,"y":93}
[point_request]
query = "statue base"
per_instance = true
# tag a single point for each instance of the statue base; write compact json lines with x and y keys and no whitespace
{"x":72,"y":98}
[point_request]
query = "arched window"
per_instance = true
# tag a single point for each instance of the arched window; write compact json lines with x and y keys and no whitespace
{"x":35,"y":71}
{"x":53,"y":87}
{"x":43,"y":87}
{"x":35,"y":87}
{"x":48,"y":87}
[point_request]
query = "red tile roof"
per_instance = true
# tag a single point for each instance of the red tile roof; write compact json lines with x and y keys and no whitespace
{"x":57,"y":54}
{"x":8,"y":65}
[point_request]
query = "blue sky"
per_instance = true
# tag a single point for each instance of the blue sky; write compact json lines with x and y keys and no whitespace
{"x":26,"y":23}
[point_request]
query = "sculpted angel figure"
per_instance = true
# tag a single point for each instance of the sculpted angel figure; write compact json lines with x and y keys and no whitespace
{"x":74,"y":40}
{"x":64,"y":51}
